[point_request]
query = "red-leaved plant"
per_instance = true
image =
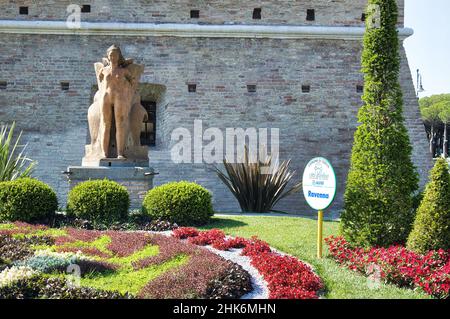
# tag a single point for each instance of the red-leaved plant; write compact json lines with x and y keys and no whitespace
{"x":397,"y":265}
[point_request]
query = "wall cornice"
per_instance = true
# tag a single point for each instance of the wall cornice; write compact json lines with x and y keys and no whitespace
{"x":189,"y":30}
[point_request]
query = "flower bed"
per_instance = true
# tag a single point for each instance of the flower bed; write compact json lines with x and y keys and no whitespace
{"x":113,"y":264}
{"x":287,"y":277}
{"x":397,"y":265}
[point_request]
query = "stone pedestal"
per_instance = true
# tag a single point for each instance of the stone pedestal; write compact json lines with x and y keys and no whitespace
{"x":138,"y":180}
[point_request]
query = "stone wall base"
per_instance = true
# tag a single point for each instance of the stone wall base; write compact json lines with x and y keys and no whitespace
{"x":137,"y":180}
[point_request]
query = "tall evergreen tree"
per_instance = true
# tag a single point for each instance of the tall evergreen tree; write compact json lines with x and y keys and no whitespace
{"x":382,"y":178}
{"x":431,"y":229}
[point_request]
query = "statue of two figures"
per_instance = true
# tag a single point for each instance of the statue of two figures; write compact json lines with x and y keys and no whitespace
{"x":116,"y":114}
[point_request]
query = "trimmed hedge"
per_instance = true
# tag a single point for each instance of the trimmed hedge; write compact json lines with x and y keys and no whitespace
{"x":27,"y":200}
{"x":431,"y":229}
{"x":99,"y":201}
{"x":183,"y":203}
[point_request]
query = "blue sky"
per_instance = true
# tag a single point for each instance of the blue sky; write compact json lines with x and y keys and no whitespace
{"x":429,"y":48}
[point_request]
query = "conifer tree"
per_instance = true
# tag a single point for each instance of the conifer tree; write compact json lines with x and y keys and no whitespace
{"x":431,"y":229}
{"x":382,"y":178}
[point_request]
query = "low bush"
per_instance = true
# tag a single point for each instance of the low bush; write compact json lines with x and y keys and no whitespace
{"x":397,"y":265}
{"x":27,"y":200}
{"x":41,"y":287}
{"x":183,"y":203}
{"x":99,"y":202}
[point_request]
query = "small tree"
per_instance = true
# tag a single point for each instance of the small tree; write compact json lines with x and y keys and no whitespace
{"x":14,"y":164}
{"x":382,"y":179}
{"x":431,"y":229}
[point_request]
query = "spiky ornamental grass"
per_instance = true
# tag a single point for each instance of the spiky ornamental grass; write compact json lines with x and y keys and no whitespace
{"x":257,"y":185}
{"x":382,"y":177}
{"x":14,"y":163}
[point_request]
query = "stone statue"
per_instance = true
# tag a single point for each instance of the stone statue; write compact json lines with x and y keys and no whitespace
{"x":116,"y":114}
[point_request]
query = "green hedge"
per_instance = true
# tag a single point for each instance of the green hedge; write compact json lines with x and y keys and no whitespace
{"x":183,"y":203}
{"x":99,"y":201}
{"x":27,"y":200}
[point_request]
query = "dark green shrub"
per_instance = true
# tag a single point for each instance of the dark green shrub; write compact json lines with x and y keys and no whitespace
{"x":183,"y":203}
{"x":27,"y":200}
{"x":42,"y":287}
{"x":431,"y":229}
{"x":382,"y":178}
{"x":99,"y":201}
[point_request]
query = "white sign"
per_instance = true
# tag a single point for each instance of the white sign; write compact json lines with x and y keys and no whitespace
{"x":319,"y":183}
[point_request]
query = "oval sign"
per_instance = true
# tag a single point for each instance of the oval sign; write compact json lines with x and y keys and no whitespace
{"x":319,"y":183}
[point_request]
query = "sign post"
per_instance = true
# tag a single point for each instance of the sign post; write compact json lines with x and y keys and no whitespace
{"x":319,"y":189}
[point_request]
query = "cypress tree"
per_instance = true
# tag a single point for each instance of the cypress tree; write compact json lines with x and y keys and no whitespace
{"x":382,"y":178}
{"x":431,"y":229}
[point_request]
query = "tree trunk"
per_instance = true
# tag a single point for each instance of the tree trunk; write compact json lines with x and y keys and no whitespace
{"x":432,"y":142}
{"x":445,"y":148}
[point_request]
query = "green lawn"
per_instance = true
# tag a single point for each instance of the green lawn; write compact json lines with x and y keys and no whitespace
{"x":297,"y":236}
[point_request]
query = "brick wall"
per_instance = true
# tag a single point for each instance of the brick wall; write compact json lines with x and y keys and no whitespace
{"x":327,"y":12}
{"x":321,"y":122}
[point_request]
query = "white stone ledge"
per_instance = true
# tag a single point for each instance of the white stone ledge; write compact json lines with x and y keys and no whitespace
{"x":189,"y":30}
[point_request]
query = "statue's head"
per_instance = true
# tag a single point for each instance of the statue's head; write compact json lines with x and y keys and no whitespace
{"x":114,"y":55}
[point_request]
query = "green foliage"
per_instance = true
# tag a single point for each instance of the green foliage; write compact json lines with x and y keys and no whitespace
{"x":46,"y":264}
{"x":27,"y":200}
{"x":183,"y":203}
{"x":431,"y":229}
{"x":382,"y":178}
{"x":444,"y":114}
{"x":13,"y":164}
{"x":99,"y":201}
{"x":429,"y":101}
{"x":255,"y":189}
{"x":42,"y":287}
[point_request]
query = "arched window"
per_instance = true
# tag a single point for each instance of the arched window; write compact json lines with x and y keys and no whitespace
{"x":148,"y":131}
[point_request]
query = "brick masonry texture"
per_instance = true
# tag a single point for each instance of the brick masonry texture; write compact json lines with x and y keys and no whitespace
{"x":319,"y":123}
{"x":328,"y":12}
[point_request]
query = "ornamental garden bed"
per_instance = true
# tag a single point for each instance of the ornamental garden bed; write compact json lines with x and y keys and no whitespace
{"x":35,"y":261}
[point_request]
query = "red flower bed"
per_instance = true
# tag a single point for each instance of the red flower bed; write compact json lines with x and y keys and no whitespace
{"x":397,"y":265}
{"x":205,"y":238}
{"x":287,"y":277}
{"x":185,"y":232}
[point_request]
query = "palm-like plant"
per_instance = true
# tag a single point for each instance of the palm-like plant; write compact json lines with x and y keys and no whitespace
{"x":258,"y":186}
{"x":13,"y":162}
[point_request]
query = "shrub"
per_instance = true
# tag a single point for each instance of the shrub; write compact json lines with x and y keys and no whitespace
{"x":183,"y":203}
{"x":27,"y":200}
{"x":382,"y":178}
{"x":41,"y":287}
{"x":431,"y":229}
{"x":99,"y":201}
